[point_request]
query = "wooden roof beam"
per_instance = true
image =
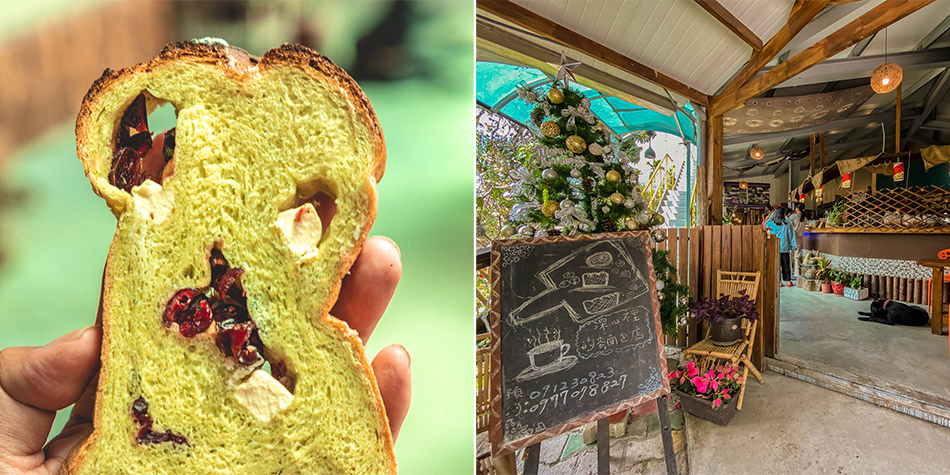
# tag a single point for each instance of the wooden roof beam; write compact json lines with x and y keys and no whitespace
{"x":798,"y":19}
{"x":540,"y":25}
{"x":719,"y":12}
{"x":871,"y":22}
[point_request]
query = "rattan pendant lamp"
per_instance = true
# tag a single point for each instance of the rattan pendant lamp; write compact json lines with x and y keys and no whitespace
{"x":887,"y":76}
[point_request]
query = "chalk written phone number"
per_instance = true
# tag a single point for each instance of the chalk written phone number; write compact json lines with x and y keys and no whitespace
{"x":575,"y":392}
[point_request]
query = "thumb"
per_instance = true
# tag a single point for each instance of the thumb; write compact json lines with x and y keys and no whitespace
{"x":37,"y":381}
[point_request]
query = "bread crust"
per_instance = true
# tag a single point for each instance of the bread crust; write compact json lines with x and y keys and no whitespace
{"x":236,"y":63}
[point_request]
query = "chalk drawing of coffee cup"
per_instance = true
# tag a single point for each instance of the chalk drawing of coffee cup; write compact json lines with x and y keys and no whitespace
{"x":547,"y":358}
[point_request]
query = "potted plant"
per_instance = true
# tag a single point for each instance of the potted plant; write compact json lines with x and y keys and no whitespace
{"x":856,"y":289}
{"x":823,"y":274}
{"x":707,"y":393}
{"x":838,"y":280}
{"x":725,"y":316}
{"x":834,"y":215}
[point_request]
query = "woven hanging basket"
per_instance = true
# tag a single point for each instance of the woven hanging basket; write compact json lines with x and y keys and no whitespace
{"x":889,"y":73}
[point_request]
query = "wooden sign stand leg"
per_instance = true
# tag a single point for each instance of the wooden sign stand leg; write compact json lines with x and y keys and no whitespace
{"x":603,"y":446}
{"x":666,"y":431}
{"x":533,"y":453}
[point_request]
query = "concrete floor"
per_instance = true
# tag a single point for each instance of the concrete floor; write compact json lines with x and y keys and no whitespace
{"x":790,"y":427}
{"x":822,"y":332}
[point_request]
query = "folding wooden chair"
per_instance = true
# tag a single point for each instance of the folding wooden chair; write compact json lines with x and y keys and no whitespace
{"x":730,"y":283}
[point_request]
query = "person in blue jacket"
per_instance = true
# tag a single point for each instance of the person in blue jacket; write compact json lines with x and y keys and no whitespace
{"x":786,"y":237}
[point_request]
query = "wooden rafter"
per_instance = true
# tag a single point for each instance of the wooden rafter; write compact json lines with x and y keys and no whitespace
{"x":798,"y":19}
{"x":719,"y":12}
{"x":871,"y":22}
{"x":542,"y":26}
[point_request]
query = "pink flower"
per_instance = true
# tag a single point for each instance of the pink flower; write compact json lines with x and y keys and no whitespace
{"x":674,"y":374}
{"x":691,"y":369}
{"x":701,"y":384}
{"x":716,"y":404}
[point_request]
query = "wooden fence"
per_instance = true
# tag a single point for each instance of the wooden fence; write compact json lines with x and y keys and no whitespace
{"x":699,"y":252}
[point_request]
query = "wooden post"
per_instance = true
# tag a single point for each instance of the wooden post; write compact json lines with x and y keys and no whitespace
{"x":936,"y":293}
{"x":603,"y":446}
{"x":822,"y":151}
{"x":714,"y":169}
{"x":811,"y":151}
{"x":897,"y":134}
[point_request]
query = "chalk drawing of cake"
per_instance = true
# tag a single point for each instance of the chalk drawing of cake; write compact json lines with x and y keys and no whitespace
{"x":594,"y":280}
{"x":602,"y":303}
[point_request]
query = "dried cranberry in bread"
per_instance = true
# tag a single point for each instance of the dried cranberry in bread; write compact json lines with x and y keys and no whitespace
{"x":220,"y":264}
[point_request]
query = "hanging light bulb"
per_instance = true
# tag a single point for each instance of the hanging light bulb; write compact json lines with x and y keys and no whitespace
{"x":757,"y":153}
{"x":743,"y":184}
{"x":887,"y":76}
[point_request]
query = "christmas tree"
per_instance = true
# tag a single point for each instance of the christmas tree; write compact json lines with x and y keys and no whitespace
{"x":579,"y":181}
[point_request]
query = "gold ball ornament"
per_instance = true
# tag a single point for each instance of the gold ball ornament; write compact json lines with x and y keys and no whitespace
{"x":549,"y":208}
{"x":595,"y":148}
{"x":616,"y":198}
{"x":555,"y":95}
{"x":631,"y":223}
{"x":658,"y":219}
{"x":576,"y":144}
{"x":550,"y":129}
{"x":613,"y":176}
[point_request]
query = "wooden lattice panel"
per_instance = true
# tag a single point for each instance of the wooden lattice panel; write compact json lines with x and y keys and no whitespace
{"x":919,"y":209}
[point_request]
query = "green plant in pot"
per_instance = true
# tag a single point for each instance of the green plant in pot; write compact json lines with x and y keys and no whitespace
{"x":838,"y":279}
{"x":725,"y":316}
{"x":824,"y":274}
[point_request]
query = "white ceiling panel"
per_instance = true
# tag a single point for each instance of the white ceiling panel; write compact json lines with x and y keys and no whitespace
{"x":677,"y":38}
{"x":763,"y":17}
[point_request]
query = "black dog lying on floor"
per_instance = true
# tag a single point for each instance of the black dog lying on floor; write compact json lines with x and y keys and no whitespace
{"x":890,"y":312}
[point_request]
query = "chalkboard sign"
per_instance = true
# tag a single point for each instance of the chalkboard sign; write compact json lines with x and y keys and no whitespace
{"x":576,"y":333}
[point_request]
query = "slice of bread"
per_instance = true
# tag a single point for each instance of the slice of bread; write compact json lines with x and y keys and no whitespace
{"x":219,"y":265}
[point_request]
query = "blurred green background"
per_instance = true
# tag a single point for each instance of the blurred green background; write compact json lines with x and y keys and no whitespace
{"x":55,"y":233}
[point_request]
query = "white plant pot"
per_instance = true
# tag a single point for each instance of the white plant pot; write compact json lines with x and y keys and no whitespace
{"x":856,"y":294}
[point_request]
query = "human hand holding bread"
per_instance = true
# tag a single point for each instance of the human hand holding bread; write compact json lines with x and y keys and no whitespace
{"x":37,"y":381}
{"x":222,"y":334}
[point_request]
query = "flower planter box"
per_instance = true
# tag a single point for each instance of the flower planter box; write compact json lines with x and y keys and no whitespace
{"x":837,"y":288}
{"x":702,"y":408}
{"x":856,"y":294}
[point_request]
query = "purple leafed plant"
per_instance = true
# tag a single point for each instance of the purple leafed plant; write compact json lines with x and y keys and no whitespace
{"x":717,"y":310}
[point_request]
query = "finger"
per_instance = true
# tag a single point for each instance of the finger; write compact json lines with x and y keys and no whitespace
{"x":394,"y":378}
{"x":37,"y":381}
{"x":369,"y":287}
{"x":58,"y":448}
{"x":83,"y":409}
